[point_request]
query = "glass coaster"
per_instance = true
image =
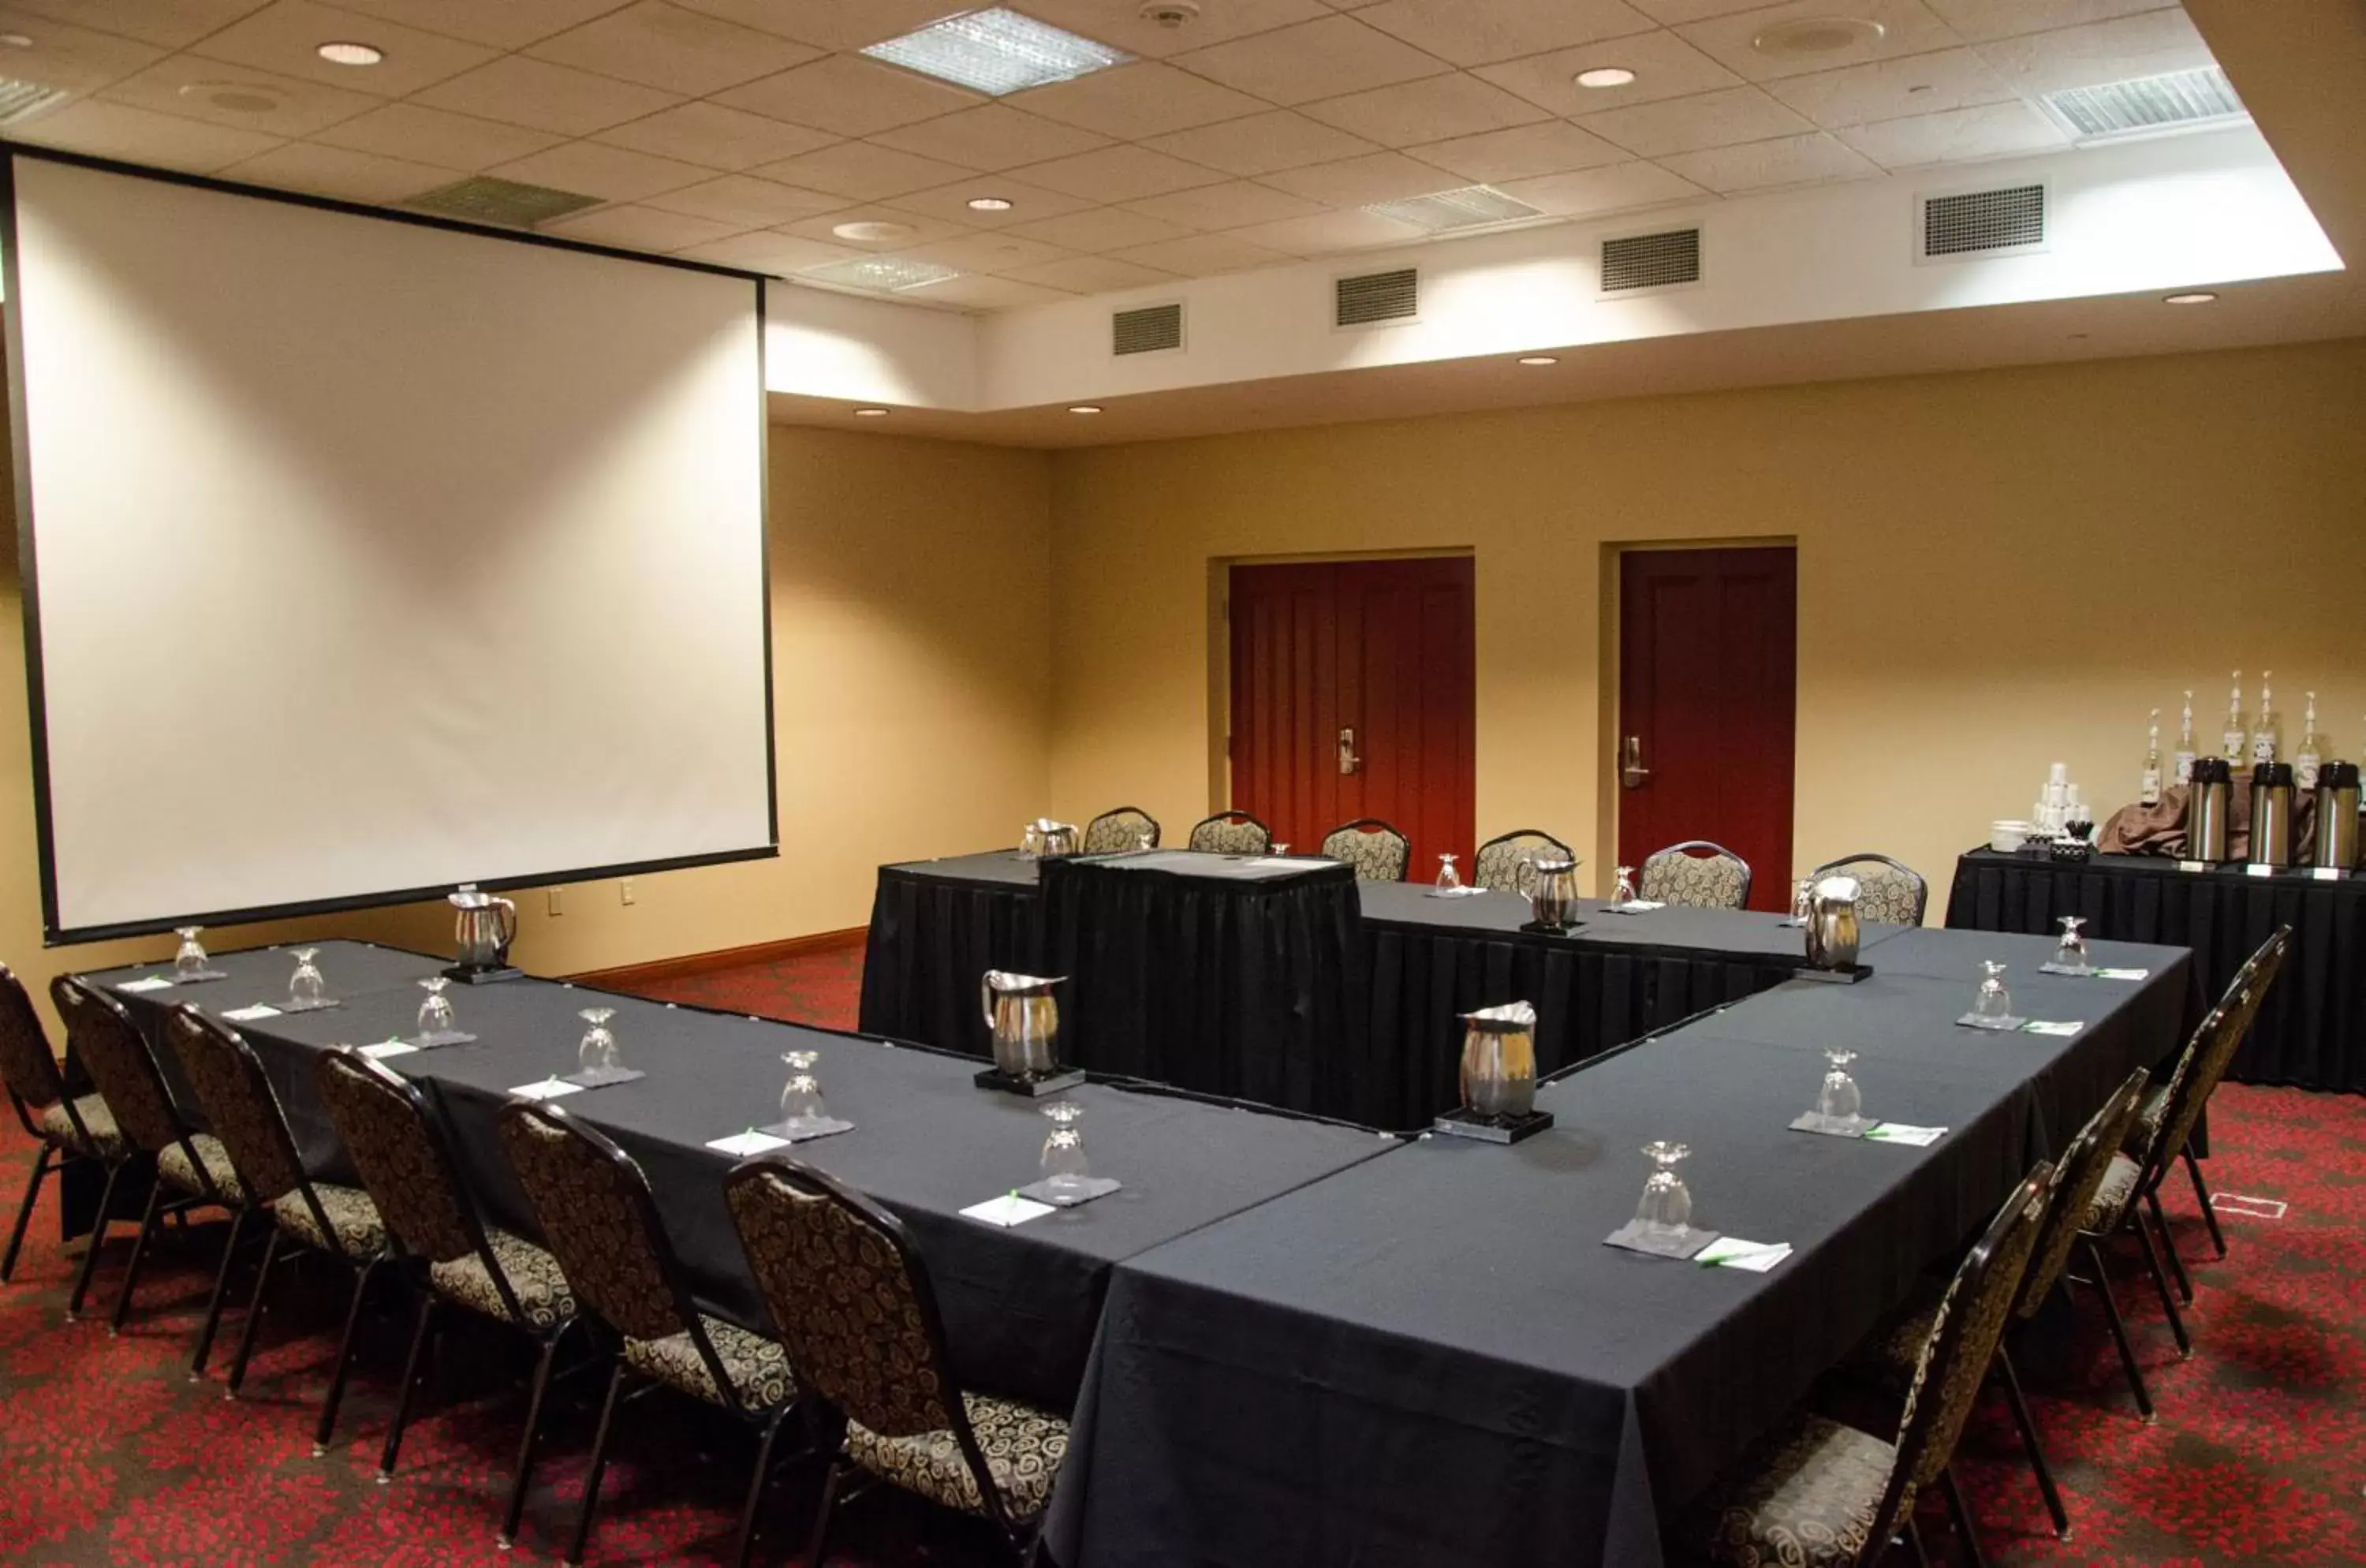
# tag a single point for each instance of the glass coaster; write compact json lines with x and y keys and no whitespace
{"x":2079,"y":972}
{"x":804,"y":1132}
{"x":441,"y":1037}
{"x":1633,"y":1238}
{"x":200,"y":978}
{"x":601,"y":1078}
{"x":1816,"y":1122}
{"x":1993,"y":1025}
{"x":323,"y":1005}
{"x":1094,"y":1187}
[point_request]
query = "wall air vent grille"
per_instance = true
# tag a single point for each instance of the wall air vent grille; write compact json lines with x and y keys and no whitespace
{"x":1154,"y":329}
{"x":2148,"y":104}
{"x":1376,"y":296}
{"x":484,"y":199}
{"x":1983,"y":222}
{"x":1652,"y":261}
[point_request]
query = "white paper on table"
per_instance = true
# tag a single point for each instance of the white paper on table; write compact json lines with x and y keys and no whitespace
{"x":1010,"y":1209}
{"x":548,"y":1089}
{"x":1290,"y":862}
{"x":384,"y":1048}
{"x":2063,"y":1027}
{"x":2122,"y":973}
{"x":146,"y":983}
{"x":1635,"y":907}
{"x":1733,"y":1252}
{"x":1900,"y":1133}
{"x":739,"y":1146}
{"x":253,"y":1014}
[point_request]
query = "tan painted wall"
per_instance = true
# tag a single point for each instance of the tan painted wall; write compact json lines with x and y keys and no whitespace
{"x":1995,"y":570}
{"x":911,"y":691}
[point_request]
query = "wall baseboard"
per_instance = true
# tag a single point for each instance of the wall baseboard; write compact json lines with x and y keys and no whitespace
{"x":626,"y":976}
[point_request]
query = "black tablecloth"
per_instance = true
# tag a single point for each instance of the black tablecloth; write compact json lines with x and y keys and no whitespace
{"x":2312,"y":1031}
{"x":1431,"y":1359}
{"x":936,"y":928}
{"x":1020,"y":1305}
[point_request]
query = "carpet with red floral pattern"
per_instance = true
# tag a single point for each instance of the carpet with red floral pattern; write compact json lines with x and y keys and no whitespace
{"x":110,"y":1454}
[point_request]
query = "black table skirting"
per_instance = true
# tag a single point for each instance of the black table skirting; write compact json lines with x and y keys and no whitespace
{"x":936,"y":928}
{"x":2312,"y":1031}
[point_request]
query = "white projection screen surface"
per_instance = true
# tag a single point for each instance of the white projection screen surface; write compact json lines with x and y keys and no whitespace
{"x":365,"y":557}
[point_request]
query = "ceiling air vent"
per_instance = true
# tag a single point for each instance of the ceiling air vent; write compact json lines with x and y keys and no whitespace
{"x":1376,"y":298}
{"x":891,"y":273}
{"x":484,"y":199}
{"x":1668,"y":260}
{"x":21,"y":99}
{"x":1465,"y":209}
{"x":2010,"y":220}
{"x":2147,"y":105}
{"x":1154,"y":329}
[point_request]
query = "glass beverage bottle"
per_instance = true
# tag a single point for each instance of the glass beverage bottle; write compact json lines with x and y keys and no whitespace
{"x":2185,"y":750}
{"x":2148,"y":792}
{"x":2236,"y":731}
{"x":2268,"y":729}
{"x":2309,"y":758}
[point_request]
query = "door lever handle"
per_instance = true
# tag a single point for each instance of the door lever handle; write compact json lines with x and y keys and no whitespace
{"x":1631,"y":771}
{"x":1348,"y":762}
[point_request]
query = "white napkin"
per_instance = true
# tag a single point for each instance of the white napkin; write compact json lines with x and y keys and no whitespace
{"x":1733,"y":1252}
{"x":2122,"y":973}
{"x":739,"y":1146}
{"x":384,"y":1048}
{"x":145,"y":982}
{"x":1010,"y":1209}
{"x":254,"y":1015}
{"x":2063,"y":1027}
{"x":548,"y":1089}
{"x":1899,"y":1132}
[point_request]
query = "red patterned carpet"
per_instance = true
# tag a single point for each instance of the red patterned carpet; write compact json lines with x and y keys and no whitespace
{"x":109,"y":1455}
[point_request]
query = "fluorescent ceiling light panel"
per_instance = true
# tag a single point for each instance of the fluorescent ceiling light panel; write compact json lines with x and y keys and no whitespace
{"x":890,"y":273}
{"x":19,"y":99}
{"x":1462,"y":209}
{"x":2148,"y":104}
{"x":996,"y":51}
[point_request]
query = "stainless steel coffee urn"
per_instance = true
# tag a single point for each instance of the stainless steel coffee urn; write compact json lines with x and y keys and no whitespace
{"x":2271,"y":814}
{"x":2336,"y":816}
{"x":2207,"y":804}
{"x":1832,"y":922}
{"x":1499,"y":1061}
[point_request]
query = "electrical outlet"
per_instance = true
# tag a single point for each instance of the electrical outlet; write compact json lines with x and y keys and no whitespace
{"x":556,"y":899}
{"x":624,"y":888}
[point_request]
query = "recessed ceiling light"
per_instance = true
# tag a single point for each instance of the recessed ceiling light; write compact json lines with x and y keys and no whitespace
{"x":990,"y":204}
{"x":351,"y":53}
{"x":996,"y":51}
{"x":1606,"y":76}
{"x":871,"y":413}
{"x":1814,"y":36}
{"x":1540,"y":359}
{"x":16,"y":41}
{"x":2198,"y":296}
{"x":1084,"y":408}
{"x":874,"y":232}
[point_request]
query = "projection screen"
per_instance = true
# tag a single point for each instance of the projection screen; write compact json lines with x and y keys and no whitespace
{"x":363,"y":557}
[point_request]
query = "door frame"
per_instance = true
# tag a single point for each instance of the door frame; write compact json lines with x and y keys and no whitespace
{"x":1611,"y":576}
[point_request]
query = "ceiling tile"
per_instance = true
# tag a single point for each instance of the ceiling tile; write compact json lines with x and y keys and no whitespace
{"x":2149,"y":45}
{"x":919,"y":229}
{"x":1312,"y":60}
{"x":830,"y":24}
{"x":1470,"y":34}
{"x":612,"y":174}
{"x":1352,"y":182}
{"x":1101,"y":229}
{"x":1141,"y":99}
{"x":860,"y":172}
{"x":546,"y":97}
{"x":664,"y":46}
{"x":169,"y":24}
{"x":509,"y":24}
{"x":1981,"y":19}
{"x":849,"y":95}
{"x":1685,"y":125}
{"x":745,"y":201}
{"x":986,"y":253}
{"x":1666,"y":66}
{"x":1892,"y":89}
{"x":1669,"y":13}
{"x":1430,"y":110}
{"x":1908,"y":26}
{"x":74,"y":58}
{"x":334,"y":171}
{"x":766,"y":250}
{"x":286,"y":38}
{"x":640,"y":229}
{"x":141,"y":136}
{"x":1521,"y":153}
{"x":1119,"y":174}
{"x":1759,"y":166}
{"x":1233,"y":205}
{"x":992,"y":135}
{"x":1993,"y":130}
{"x":1027,"y":202}
{"x":1616,"y":189}
{"x":706,"y":133}
{"x":975,"y":292}
{"x":1205,"y":256}
{"x":1327,"y":231}
{"x":1090,"y":275}
{"x":1278,"y":139}
{"x":455,"y":141}
{"x":1122,"y":24}
{"x":300,"y":108}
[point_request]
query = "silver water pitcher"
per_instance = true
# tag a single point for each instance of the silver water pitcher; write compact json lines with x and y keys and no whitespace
{"x":1045,"y":839}
{"x":1025,"y":1021}
{"x":1552,"y":892}
{"x":1499,"y":1061}
{"x":2336,"y":816}
{"x":1832,"y":922}
{"x":483,"y":926}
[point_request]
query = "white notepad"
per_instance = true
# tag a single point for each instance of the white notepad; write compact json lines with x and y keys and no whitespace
{"x":386,"y":1048}
{"x":739,"y":1146}
{"x":548,"y":1089}
{"x":1010,"y":1209}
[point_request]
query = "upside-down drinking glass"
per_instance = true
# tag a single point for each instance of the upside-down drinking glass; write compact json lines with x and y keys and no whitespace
{"x":1623,"y":892}
{"x":435,"y":1012}
{"x":801,"y":1109}
{"x":597,"y":1052}
{"x":1666,"y":1210}
{"x":306,"y":987}
{"x":189,"y":959}
{"x":1066,"y":1172}
{"x":2072,"y":952}
{"x":1839,"y":1102}
{"x":1448,"y":879}
{"x":1993,"y":1006}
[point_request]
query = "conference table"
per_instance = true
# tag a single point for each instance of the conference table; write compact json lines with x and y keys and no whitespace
{"x":2311,"y":1030}
{"x":1434,"y":1359}
{"x":1020,"y":1305}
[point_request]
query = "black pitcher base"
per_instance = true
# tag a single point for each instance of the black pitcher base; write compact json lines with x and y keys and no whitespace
{"x":1541,"y":929}
{"x":1847,"y":976}
{"x":1463,"y":1123}
{"x":1035,"y":1086}
{"x":474,"y":974}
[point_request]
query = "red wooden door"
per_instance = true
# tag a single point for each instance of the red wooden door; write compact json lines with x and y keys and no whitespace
{"x":1708,"y":661}
{"x":1353,"y":696}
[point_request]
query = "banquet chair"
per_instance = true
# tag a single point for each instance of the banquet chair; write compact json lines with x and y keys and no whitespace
{"x":1816,"y":1490}
{"x":71,"y":1129}
{"x":1378,"y":852}
{"x":848,"y":1289}
{"x":1887,"y":889}
{"x":1719,"y":879}
{"x":405,"y":1161}
{"x":1229,"y":833}
{"x":1505,"y":862}
{"x":191,"y":1164}
{"x":1114,"y":832}
{"x":600,"y":1222}
{"x":227,"y":1081}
